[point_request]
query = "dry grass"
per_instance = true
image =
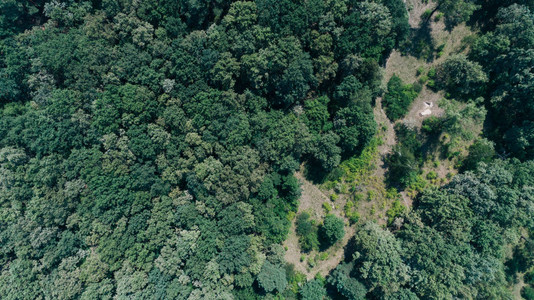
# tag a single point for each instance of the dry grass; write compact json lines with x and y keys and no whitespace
{"x":311,"y":201}
{"x":404,"y":66}
{"x":415,"y":9}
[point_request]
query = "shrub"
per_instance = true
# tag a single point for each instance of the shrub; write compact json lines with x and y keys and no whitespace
{"x":432,"y":73}
{"x":307,"y":233}
{"x":398,"y":98}
{"x":417,"y":87}
{"x":420,"y":70}
{"x":431,"y":175}
{"x":351,"y":212}
{"x":423,"y":79}
{"x":333,"y":230}
{"x":396,"y":210}
{"x":327,"y":207}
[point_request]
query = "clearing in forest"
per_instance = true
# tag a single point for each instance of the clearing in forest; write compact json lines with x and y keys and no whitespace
{"x":361,"y":193}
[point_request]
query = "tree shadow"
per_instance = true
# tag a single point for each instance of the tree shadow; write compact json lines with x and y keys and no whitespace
{"x":349,"y":249}
{"x":314,"y":172}
{"x":420,"y":44}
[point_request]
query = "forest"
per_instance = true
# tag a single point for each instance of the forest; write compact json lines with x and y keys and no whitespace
{"x":153,"y":149}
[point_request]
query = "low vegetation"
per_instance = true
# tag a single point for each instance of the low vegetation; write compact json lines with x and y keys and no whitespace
{"x":398,"y":97}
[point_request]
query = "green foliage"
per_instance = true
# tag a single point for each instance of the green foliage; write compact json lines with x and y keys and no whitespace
{"x":147,"y":149}
{"x":351,"y":211}
{"x":346,"y":285}
{"x":505,"y":54}
{"x":529,"y":277}
{"x":356,"y":127}
{"x":456,"y":11}
{"x":396,"y":210}
{"x":307,"y":232}
{"x":327,"y":207}
{"x":380,"y":264}
{"x":313,"y":290}
{"x":398,"y":98}
{"x":423,"y":79}
{"x":371,"y":39}
{"x":461,"y":77}
{"x":450,"y":240}
{"x":431,"y":175}
{"x":432,"y":125}
{"x":459,"y":123}
{"x":332,"y":230}
{"x":272,"y":278}
{"x":404,"y":162}
{"x":480,"y":151}
{"x":527,"y":292}
{"x":426,"y":14}
{"x":316,"y":114}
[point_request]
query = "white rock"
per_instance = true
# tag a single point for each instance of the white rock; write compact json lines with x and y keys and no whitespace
{"x":426,"y":112}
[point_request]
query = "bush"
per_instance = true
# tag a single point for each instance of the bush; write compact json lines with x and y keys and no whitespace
{"x":423,"y":79}
{"x":351,"y":212}
{"x":426,"y":14}
{"x":333,"y":230}
{"x":327,"y":207}
{"x":420,"y":70}
{"x":417,"y":87}
{"x":431,"y":175}
{"x":396,"y":210}
{"x":432,"y":73}
{"x":398,"y":98}
{"x":432,"y":125}
{"x":307,"y":233}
